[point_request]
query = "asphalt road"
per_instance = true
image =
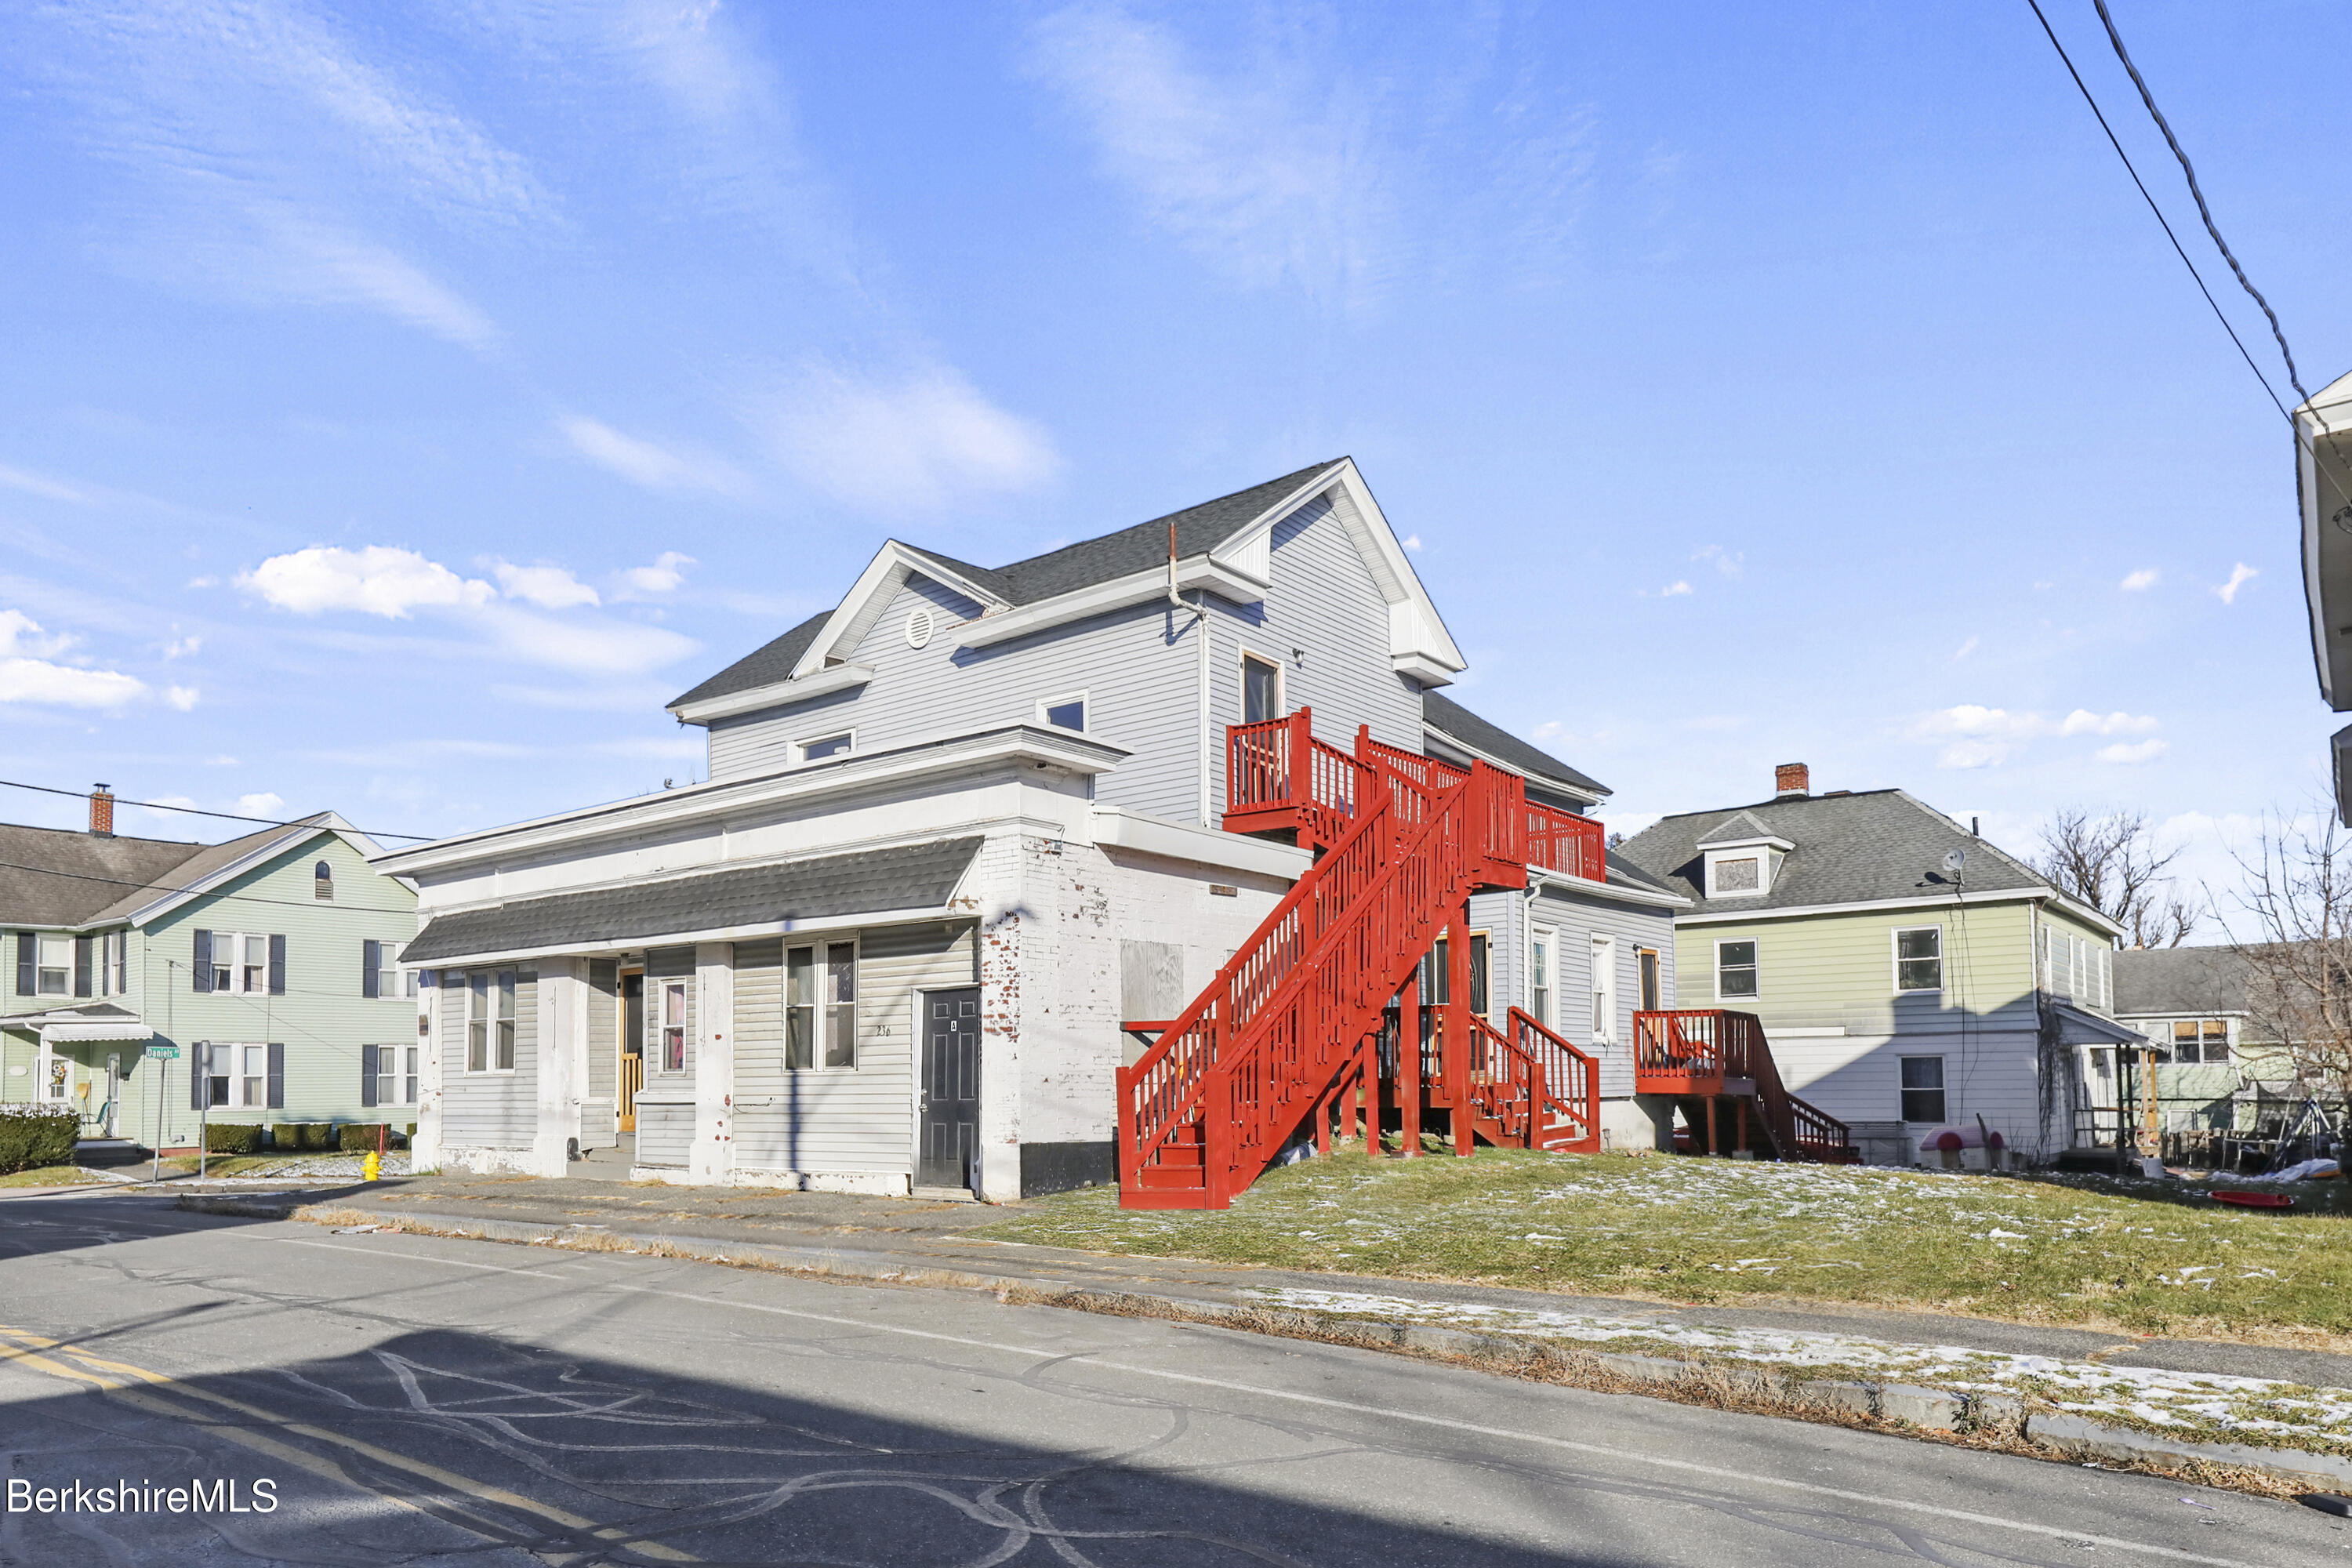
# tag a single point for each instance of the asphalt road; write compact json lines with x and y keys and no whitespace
{"x":415,"y":1399}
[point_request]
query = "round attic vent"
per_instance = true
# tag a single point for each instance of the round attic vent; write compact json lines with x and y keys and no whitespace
{"x":918,"y":628}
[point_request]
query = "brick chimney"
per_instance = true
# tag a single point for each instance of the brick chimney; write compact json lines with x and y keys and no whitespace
{"x":102,"y":811}
{"x":1790,"y":779}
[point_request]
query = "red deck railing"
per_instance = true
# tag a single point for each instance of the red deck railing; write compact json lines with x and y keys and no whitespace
{"x":1565,"y":842}
{"x":1278,"y":775}
{"x":1706,"y":1051}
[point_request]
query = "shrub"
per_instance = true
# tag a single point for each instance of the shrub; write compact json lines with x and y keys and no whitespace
{"x":360,"y":1137}
{"x":32,"y":1136}
{"x":233,"y":1137}
{"x":316,"y":1135}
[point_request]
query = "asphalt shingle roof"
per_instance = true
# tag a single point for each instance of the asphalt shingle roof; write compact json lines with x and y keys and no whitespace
{"x":52,"y":877}
{"x":866,"y":881}
{"x":1448,"y":717}
{"x":1199,"y":529}
{"x":2180,"y":980}
{"x":1850,"y":848}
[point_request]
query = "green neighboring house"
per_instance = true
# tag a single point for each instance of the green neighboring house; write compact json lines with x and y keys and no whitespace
{"x":271,"y":960}
{"x":2220,"y":1066}
{"x":1910,"y":975}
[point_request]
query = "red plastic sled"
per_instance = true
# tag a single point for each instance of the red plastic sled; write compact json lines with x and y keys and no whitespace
{"x":2253,"y":1200}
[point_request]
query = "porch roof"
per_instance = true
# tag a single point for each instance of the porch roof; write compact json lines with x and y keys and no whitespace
{"x":89,"y":1022}
{"x":914,"y":876}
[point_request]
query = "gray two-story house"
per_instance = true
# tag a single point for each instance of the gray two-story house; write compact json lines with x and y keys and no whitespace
{"x":149,"y":983}
{"x":957,"y":830}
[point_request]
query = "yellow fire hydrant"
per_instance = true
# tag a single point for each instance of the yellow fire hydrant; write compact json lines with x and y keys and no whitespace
{"x":370,"y":1166}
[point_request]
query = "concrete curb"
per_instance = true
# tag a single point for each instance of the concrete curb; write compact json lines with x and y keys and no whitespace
{"x":1892,"y":1405}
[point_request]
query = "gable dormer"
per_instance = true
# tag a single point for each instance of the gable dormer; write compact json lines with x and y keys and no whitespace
{"x":1742,"y":857}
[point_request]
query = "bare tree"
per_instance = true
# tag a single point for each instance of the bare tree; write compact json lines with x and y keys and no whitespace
{"x":2297,"y":893}
{"x":2112,"y":864}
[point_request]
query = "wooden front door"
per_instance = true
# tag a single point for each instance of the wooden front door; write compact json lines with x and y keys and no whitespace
{"x":632,"y":1076}
{"x":950,"y":1113}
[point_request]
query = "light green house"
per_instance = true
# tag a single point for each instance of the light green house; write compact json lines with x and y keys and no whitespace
{"x":1911,"y":976}
{"x":270,"y":960}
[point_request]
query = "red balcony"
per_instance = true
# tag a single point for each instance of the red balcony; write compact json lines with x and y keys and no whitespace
{"x":1696,"y":1051}
{"x":1564,"y":842}
{"x":1280,"y":778}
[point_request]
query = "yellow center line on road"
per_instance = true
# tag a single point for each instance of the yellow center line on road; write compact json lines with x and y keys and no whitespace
{"x":479,"y":1491}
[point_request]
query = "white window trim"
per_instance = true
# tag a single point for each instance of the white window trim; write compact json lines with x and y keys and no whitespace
{"x":1714,"y":975}
{"x":1547,"y":938}
{"x":237,"y":986}
{"x":1602,"y":982}
{"x":1943,"y":1086}
{"x":657,"y":1060}
{"x":1895,"y":959}
{"x":1760,"y":853}
{"x":489,"y":1067}
{"x":232,"y":1052}
{"x":800,"y":747}
{"x":41,"y":940}
{"x":821,"y":940}
{"x":1240,"y":683}
{"x":1085,"y":711}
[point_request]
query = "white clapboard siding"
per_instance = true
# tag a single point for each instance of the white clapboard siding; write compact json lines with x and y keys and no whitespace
{"x":489,"y":1110}
{"x":840,"y":1119}
{"x":1575,"y":918}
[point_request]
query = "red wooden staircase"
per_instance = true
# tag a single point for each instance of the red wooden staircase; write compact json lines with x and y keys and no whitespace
{"x":1717,"y":1064}
{"x":1292,"y":1027}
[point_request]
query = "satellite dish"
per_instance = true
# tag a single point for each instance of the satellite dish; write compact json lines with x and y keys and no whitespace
{"x":1953,"y":860}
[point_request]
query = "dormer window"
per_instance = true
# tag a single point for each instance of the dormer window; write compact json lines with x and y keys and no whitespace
{"x":826,"y":746}
{"x":1738,"y":874}
{"x":1745,"y":861}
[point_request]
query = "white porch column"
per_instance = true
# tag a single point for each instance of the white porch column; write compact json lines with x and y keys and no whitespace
{"x":562,"y":1020}
{"x":425,"y":1143}
{"x":712,"y":1159}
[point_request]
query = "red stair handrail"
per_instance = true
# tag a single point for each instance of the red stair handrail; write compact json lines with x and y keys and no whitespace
{"x":1716,"y":1043}
{"x":1571,"y":1076}
{"x":1523,"y":1076}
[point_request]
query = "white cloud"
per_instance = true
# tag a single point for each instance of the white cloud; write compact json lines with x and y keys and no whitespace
{"x":662,"y":578}
{"x":549,"y":587}
{"x":179,"y":648}
{"x":1413,"y":541}
{"x":2240,"y":575}
{"x":20,"y":634}
{"x":590,"y":646}
{"x":322,"y":264}
{"x":1965,"y":649}
{"x":262,"y":804}
{"x":1984,"y":737}
{"x":1730,"y":563}
{"x":27,"y":674}
{"x":204,"y":581}
{"x":223,"y":761}
{"x":2082,"y":722}
{"x":2134,"y":753}
{"x":912,"y":443}
{"x":1674,"y":589}
{"x":35,"y":485}
{"x":2144,"y":578}
{"x":378,"y":580}
{"x":642,"y":463}
{"x":183,"y":698}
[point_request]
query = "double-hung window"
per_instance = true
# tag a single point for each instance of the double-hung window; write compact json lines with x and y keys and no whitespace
{"x":2200,"y":1040}
{"x":396,"y":1074}
{"x":240,"y":963}
{"x":490,"y":1021}
{"x":478,"y":1023}
{"x":820,"y":1005}
{"x":1735,"y":971}
{"x":1604,"y":989}
{"x":1920,"y":959}
{"x":1261,"y":690}
{"x":1923,"y":1089}
{"x":53,"y":974}
{"x":253,"y":1075}
{"x":672,"y":1025}
{"x":1540,"y":978}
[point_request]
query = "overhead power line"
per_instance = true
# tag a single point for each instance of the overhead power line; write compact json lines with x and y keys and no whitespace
{"x":2177,"y":249}
{"x":199,"y":811}
{"x":161,"y":891}
{"x":2203,"y":211}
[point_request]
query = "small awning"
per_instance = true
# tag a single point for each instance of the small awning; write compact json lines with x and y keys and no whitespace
{"x":2077,"y":1027}
{"x":908,"y":878}
{"x":94,"y":1034}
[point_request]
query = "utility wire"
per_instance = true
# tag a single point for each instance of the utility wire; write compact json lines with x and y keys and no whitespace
{"x":159,"y":889}
{"x":198,"y":811}
{"x":2084,"y":88}
{"x":2202,"y":210}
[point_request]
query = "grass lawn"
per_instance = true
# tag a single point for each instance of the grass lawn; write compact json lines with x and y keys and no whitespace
{"x":49,"y":1176}
{"x":2095,"y":1252}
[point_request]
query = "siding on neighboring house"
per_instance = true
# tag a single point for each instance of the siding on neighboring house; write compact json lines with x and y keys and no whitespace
{"x":1140,"y":668}
{"x":2077,"y":961}
{"x":840,"y":1119}
{"x":489,"y":1110}
{"x":322,"y":1019}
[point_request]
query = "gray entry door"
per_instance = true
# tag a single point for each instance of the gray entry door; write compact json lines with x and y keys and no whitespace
{"x":951,"y":1108}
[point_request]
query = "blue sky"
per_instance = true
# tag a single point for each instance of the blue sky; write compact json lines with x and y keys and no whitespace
{"x":401,"y":404}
